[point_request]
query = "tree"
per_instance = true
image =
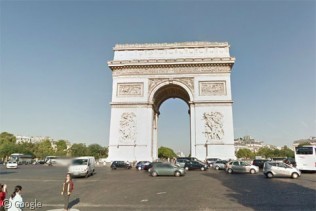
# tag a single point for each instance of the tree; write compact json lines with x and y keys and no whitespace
{"x":244,"y":153}
{"x":44,"y":148}
{"x":79,"y":150}
{"x":95,"y":150}
{"x":165,"y":152}
{"x":61,"y":148}
{"x":7,"y":137}
{"x":6,"y":149}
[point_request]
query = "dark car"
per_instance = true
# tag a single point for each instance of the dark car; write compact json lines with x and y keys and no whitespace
{"x":193,"y":165}
{"x":141,"y":165}
{"x":259,"y":162}
{"x":120,"y":164}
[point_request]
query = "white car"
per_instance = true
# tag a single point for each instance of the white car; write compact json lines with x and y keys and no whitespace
{"x":12,"y":165}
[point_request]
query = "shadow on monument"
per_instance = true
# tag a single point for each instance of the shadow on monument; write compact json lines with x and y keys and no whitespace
{"x":74,"y":202}
{"x":259,"y":193}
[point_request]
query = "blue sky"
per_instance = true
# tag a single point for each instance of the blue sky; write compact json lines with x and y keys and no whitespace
{"x":54,"y":79}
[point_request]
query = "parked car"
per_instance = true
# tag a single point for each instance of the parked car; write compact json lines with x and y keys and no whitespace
{"x":120,"y":164}
{"x":193,"y":165}
{"x":290,"y":161}
{"x":241,"y":167}
{"x":181,"y":162}
{"x":279,"y":169}
{"x":259,"y":162}
{"x":220,"y":164}
{"x":210,"y":161}
{"x":12,"y":165}
{"x":166,"y":169}
{"x":140,"y":165}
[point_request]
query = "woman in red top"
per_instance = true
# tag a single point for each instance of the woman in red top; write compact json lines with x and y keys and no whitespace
{"x":3,"y":190}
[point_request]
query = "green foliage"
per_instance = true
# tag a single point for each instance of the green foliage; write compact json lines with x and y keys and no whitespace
{"x":6,"y":137}
{"x":245,"y":153}
{"x":79,"y":150}
{"x":165,"y":152}
{"x":7,"y":148}
{"x":43,"y":149}
{"x":61,"y":146}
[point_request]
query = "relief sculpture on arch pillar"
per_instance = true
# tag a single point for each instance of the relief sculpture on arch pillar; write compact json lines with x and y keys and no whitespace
{"x":127,"y":130}
{"x":213,"y":126}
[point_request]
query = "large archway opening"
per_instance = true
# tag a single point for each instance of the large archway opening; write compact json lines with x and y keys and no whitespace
{"x":172,"y":119}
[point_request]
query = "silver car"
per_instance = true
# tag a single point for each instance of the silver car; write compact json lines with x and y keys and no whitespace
{"x":278,"y":169}
{"x":220,"y":164}
{"x":241,"y":167}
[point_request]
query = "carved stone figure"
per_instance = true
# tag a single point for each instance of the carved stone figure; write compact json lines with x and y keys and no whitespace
{"x":213,"y":126}
{"x":127,"y":129}
{"x":209,"y":88}
{"x":130,"y":90}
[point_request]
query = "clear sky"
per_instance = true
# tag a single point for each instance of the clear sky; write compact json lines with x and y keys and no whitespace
{"x":55,"y":82}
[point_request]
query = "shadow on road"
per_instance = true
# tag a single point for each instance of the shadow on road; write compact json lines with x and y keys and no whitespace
{"x":7,"y":172}
{"x":260,"y":193}
{"x":74,"y":202}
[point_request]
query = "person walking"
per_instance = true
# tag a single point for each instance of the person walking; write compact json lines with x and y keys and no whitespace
{"x":66,"y":191}
{"x":3,"y":193}
{"x":16,"y":200}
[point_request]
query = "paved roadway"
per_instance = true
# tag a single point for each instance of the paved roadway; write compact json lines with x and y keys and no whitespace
{"x":136,"y":190}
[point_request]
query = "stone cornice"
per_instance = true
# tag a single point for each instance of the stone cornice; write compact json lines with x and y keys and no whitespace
{"x":171,"y":62}
{"x":154,"y":46}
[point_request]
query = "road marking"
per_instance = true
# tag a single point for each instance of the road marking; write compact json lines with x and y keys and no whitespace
{"x":161,"y":193}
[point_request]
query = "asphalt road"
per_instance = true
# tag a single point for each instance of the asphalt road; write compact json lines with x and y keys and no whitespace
{"x":136,"y":190}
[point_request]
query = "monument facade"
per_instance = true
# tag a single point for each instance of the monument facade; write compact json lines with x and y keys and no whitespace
{"x":146,"y":75}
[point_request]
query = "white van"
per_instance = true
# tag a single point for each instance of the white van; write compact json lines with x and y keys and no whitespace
{"x":82,"y":166}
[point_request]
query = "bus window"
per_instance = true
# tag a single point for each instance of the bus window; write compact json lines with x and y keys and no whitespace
{"x":304,"y":150}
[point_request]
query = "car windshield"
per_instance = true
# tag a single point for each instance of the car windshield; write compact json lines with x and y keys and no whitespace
{"x":80,"y":162}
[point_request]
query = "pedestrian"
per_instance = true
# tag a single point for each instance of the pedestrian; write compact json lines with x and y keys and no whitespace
{"x":3,"y":193}
{"x":16,"y":200}
{"x":66,"y":191}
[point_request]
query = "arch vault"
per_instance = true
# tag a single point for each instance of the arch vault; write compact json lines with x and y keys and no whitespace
{"x":145,"y":75}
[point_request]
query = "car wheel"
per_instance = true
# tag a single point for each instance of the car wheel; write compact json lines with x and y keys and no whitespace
{"x":87,"y":174}
{"x":177,"y":174}
{"x":187,"y":168}
{"x":269,"y":175}
{"x":139,"y":168}
{"x":202,"y":168}
{"x":295,"y":175}
{"x":252,"y":171}
{"x":230,"y":171}
{"x":154,"y":174}
{"x":217,"y":167}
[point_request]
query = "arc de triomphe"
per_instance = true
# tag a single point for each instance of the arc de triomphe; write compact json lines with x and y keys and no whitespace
{"x":145,"y":75}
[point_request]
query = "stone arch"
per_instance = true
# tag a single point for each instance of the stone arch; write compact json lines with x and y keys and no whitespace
{"x":169,"y":89}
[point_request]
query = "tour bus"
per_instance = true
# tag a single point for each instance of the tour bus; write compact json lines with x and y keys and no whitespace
{"x":305,"y":158}
{"x":21,"y":158}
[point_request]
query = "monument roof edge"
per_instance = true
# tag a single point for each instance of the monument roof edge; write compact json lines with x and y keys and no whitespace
{"x":147,"y":46}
